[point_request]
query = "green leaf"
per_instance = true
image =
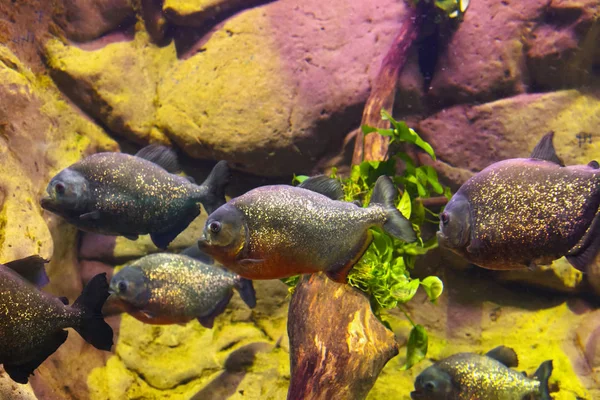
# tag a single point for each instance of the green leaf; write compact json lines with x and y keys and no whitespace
{"x":405,"y":205}
{"x":366,"y":129}
{"x":416,"y":349}
{"x":403,"y":292}
{"x":433,"y":287}
{"x":299,"y":178}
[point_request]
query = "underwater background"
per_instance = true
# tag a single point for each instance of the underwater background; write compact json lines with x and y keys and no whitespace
{"x":278,"y":88}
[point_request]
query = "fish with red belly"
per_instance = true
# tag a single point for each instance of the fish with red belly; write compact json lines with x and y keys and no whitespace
{"x":278,"y":231}
{"x":524,"y":212}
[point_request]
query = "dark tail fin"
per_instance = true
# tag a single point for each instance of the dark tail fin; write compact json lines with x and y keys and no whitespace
{"x":92,"y":327}
{"x":385,"y":194}
{"x":246,"y":291}
{"x":213,"y":188}
{"x":543,"y":374}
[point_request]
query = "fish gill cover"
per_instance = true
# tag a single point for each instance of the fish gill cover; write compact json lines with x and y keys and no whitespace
{"x":383,"y":272}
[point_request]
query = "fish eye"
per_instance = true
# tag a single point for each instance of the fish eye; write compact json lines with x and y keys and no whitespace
{"x":60,"y":188}
{"x":122,"y":286}
{"x":429,"y":386}
{"x":215,"y":227}
{"x":445,"y":218}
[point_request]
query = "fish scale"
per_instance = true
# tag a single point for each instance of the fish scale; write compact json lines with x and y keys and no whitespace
{"x":545,"y":219}
{"x":166,"y":288}
{"x":483,"y":378}
{"x":278,"y":231}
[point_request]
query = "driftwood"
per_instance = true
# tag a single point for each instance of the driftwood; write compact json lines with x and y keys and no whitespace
{"x":337,"y":346}
{"x":374,"y":147}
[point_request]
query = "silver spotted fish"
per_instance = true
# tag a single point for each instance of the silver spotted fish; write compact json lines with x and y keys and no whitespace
{"x":131,"y":195}
{"x":165,"y":288}
{"x":523,"y":212}
{"x":470,"y":376}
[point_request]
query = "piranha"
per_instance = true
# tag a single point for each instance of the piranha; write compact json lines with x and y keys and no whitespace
{"x":278,"y":231}
{"x":524,"y":212}
{"x":32,"y":323}
{"x":466,"y":376}
{"x":166,"y":288}
{"x":129,"y":195}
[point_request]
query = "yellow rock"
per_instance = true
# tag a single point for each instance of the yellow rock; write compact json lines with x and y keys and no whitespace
{"x":116,"y":84}
{"x":39,"y":135}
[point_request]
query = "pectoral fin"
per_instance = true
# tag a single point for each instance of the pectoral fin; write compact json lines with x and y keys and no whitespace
{"x":208,"y":320}
{"x":91,"y":216}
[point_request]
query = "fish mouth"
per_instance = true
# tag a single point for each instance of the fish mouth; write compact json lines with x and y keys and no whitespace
{"x":442,"y":239}
{"x":46,"y":202}
{"x":416,"y":395}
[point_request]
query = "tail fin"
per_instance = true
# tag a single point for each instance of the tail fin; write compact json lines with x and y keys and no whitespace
{"x":213,"y":188}
{"x":385,"y":194}
{"x":246,"y":291}
{"x":543,"y":374}
{"x":92,"y":327}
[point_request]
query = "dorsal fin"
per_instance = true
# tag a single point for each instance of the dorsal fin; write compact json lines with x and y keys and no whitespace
{"x":324,"y":185}
{"x":544,"y":150}
{"x":160,"y":155}
{"x":504,"y":355}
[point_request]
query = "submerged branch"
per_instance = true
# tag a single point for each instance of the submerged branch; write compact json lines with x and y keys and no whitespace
{"x":337,"y":346}
{"x":373,"y":146}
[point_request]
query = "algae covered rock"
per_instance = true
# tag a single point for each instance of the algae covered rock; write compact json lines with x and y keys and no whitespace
{"x":39,"y":135}
{"x":13,"y":391}
{"x":197,"y":12}
{"x":504,"y":48}
{"x":115,"y":84}
{"x":560,"y":50}
{"x":268,"y":90}
{"x":473,"y":137}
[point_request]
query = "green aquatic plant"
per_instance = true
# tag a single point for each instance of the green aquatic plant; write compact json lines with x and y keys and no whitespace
{"x":383,"y":272}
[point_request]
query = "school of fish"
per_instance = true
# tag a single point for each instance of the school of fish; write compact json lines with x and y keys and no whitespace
{"x":517,"y":213}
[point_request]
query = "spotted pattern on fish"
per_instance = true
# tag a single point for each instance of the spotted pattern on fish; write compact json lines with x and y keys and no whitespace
{"x":28,"y":317}
{"x":483,"y":378}
{"x":180,"y":288}
{"x":295,"y":230}
{"x":134,"y":195}
{"x":526,"y":210}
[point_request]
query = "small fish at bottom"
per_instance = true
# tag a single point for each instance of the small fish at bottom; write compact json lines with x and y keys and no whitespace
{"x":467,"y":376}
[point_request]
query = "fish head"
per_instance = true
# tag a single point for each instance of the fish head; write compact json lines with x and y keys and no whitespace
{"x":433,"y":384}
{"x":225,"y":233}
{"x":67,"y":192}
{"x":455,"y":223}
{"x":130,"y":285}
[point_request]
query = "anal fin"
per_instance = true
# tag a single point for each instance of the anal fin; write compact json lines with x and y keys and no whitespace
{"x":20,"y":372}
{"x":208,"y":320}
{"x":340,"y":274}
{"x":163,"y":239}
